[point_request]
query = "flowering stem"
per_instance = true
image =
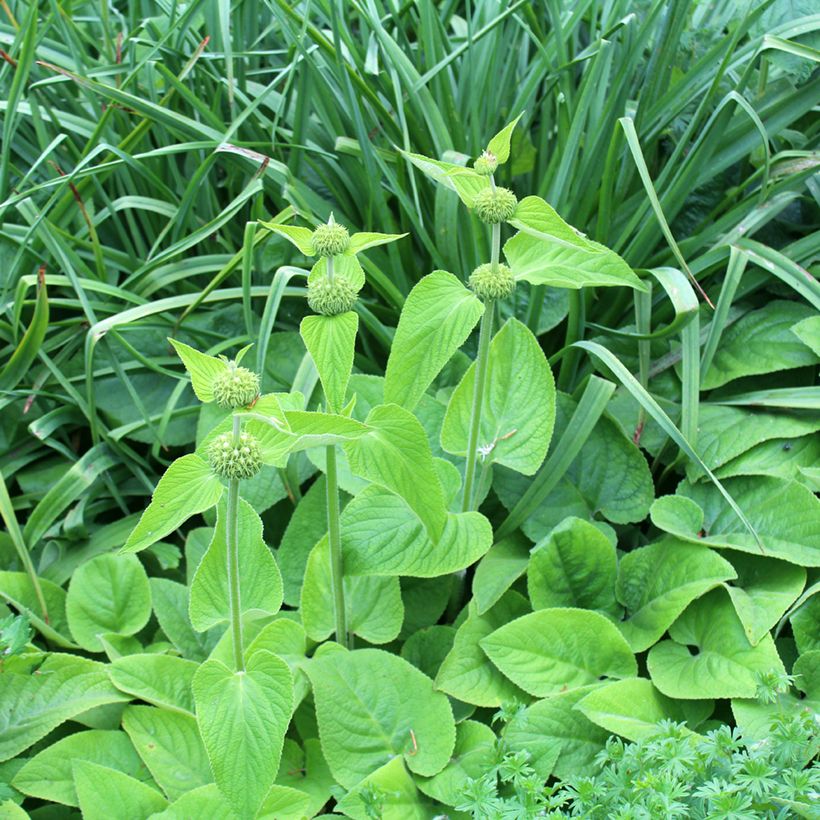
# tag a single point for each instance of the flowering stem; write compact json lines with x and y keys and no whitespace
{"x":329,"y":268}
{"x":485,"y":333}
{"x":232,"y":550}
{"x":334,"y":537}
{"x":495,"y":249}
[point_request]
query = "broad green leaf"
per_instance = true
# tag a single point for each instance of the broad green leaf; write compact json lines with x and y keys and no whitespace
{"x":427,"y":648}
{"x":724,"y":664}
{"x":306,"y":526}
{"x":727,"y":432}
{"x":374,"y":608}
{"x":381,"y":536}
{"x":436,"y":319}
{"x":187,"y":487}
{"x":499,"y":145}
{"x":260,"y":585}
{"x":549,"y":251}
{"x":396,"y":795}
{"x":104,"y":793}
{"x":322,"y":429}
{"x":300,"y":237}
{"x":362,"y":241}
{"x":288,"y":640}
{"x":657,"y":582}
{"x":306,"y":770}
{"x":170,"y":746}
{"x":782,"y":458}
{"x":396,"y":455}
{"x":330,"y":341}
{"x":466,"y":673}
{"x":557,"y":650}
{"x":464,"y":181}
{"x":425,"y":600}
{"x":206,"y":801}
{"x":48,"y":775}
{"x":505,"y":562}
{"x":764,"y":590}
{"x":242,"y":718}
{"x":202,"y":368}
{"x":785,"y":514}
{"x":632,"y":708}
{"x":808,"y":331}
{"x":109,"y":593}
{"x":171,"y":604}
{"x":559,"y":739}
{"x":804,"y":625}
{"x":16,"y":589}
{"x":676,"y":514}
{"x":574,"y":568}
{"x":373,"y":706}
{"x":474,"y":755}
{"x":163,"y":680}
{"x":761,"y":342}
{"x":347,"y":267}
{"x":519,"y":406}
{"x":33,"y":705}
{"x":284,"y":803}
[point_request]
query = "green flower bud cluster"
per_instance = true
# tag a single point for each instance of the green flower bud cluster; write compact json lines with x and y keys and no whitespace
{"x":236,"y":387}
{"x":229,"y":460}
{"x":486,"y":164}
{"x":331,"y":296}
{"x":495,"y":205}
{"x":330,"y":240}
{"x":492,"y":281}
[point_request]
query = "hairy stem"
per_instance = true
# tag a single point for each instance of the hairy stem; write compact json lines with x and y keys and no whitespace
{"x":232,"y":549}
{"x":482,"y":359}
{"x":334,"y":537}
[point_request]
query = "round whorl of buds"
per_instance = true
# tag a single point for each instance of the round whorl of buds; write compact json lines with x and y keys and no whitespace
{"x":229,"y":460}
{"x":331,"y":296}
{"x":486,"y":164}
{"x":492,"y":281}
{"x":330,"y":240}
{"x":236,"y":387}
{"x":495,"y":205}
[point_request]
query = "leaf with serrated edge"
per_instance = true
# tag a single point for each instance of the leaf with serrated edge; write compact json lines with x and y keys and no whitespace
{"x":202,"y":368}
{"x":330,"y":341}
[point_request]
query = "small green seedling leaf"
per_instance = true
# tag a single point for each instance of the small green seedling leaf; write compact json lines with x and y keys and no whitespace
{"x":499,"y":145}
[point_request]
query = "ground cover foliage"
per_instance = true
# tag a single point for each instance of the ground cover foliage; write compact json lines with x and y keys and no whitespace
{"x":523,"y":522}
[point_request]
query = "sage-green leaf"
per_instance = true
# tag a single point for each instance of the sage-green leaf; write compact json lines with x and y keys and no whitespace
{"x":464,"y":181}
{"x":396,"y":455}
{"x":558,"y":650}
{"x":206,"y":801}
{"x":761,"y":342}
{"x":381,"y":536}
{"x":187,"y":487}
{"x":632,"y":708}
{"x":306,"y":770}
{"x":804,"y":625}
{"x":299,"y":236}
{"x":330,"y":341}
{"x":374,"y":607}
{"x":163,"y":680}
{"x":373,"y":706}
{"x":466,"y":673}
{"x":575,"y":567}
{"x":33,"y":705}
{"x":170,"y":746}
{"x":548,"y":251}
{"x":395,"y":793}
{"x":764,"y":590}
{"x":558,"y":738}
{"x":474,"y":755}
{"x":808,"y":331}
{"x":791,"y":458}
{"x":202,"y":368}
{"x":435,"y":321}
{"x":725,"y":664}
{"x":260,"y":584}
{"x":48,"y":775}
{"x":104,"y":793}
{"x":109,"y":593}
{"x":313,"y":429}
{"x":347,"y":267}
{"x":171,"y":603}
{"x":519,"y":406}
{"x":363,"y":241}
{"x":505,"y":562}
{"x":242,"y":719}
{"x":284,"y":803}
{"x":657,"y":582}
{"x":499,"y":145}
{"x":785,"y":514}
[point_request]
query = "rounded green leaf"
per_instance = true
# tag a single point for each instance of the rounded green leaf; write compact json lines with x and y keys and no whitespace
{"x":575,"y":568}
{"x":709,"y":655}
{"x":105,"y":793}
{"x":558,"y":650}
{"x":242,"y":719}
{"x":373,"y":706}
{"x":109,"y":593}
{"x":163,"y":680}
